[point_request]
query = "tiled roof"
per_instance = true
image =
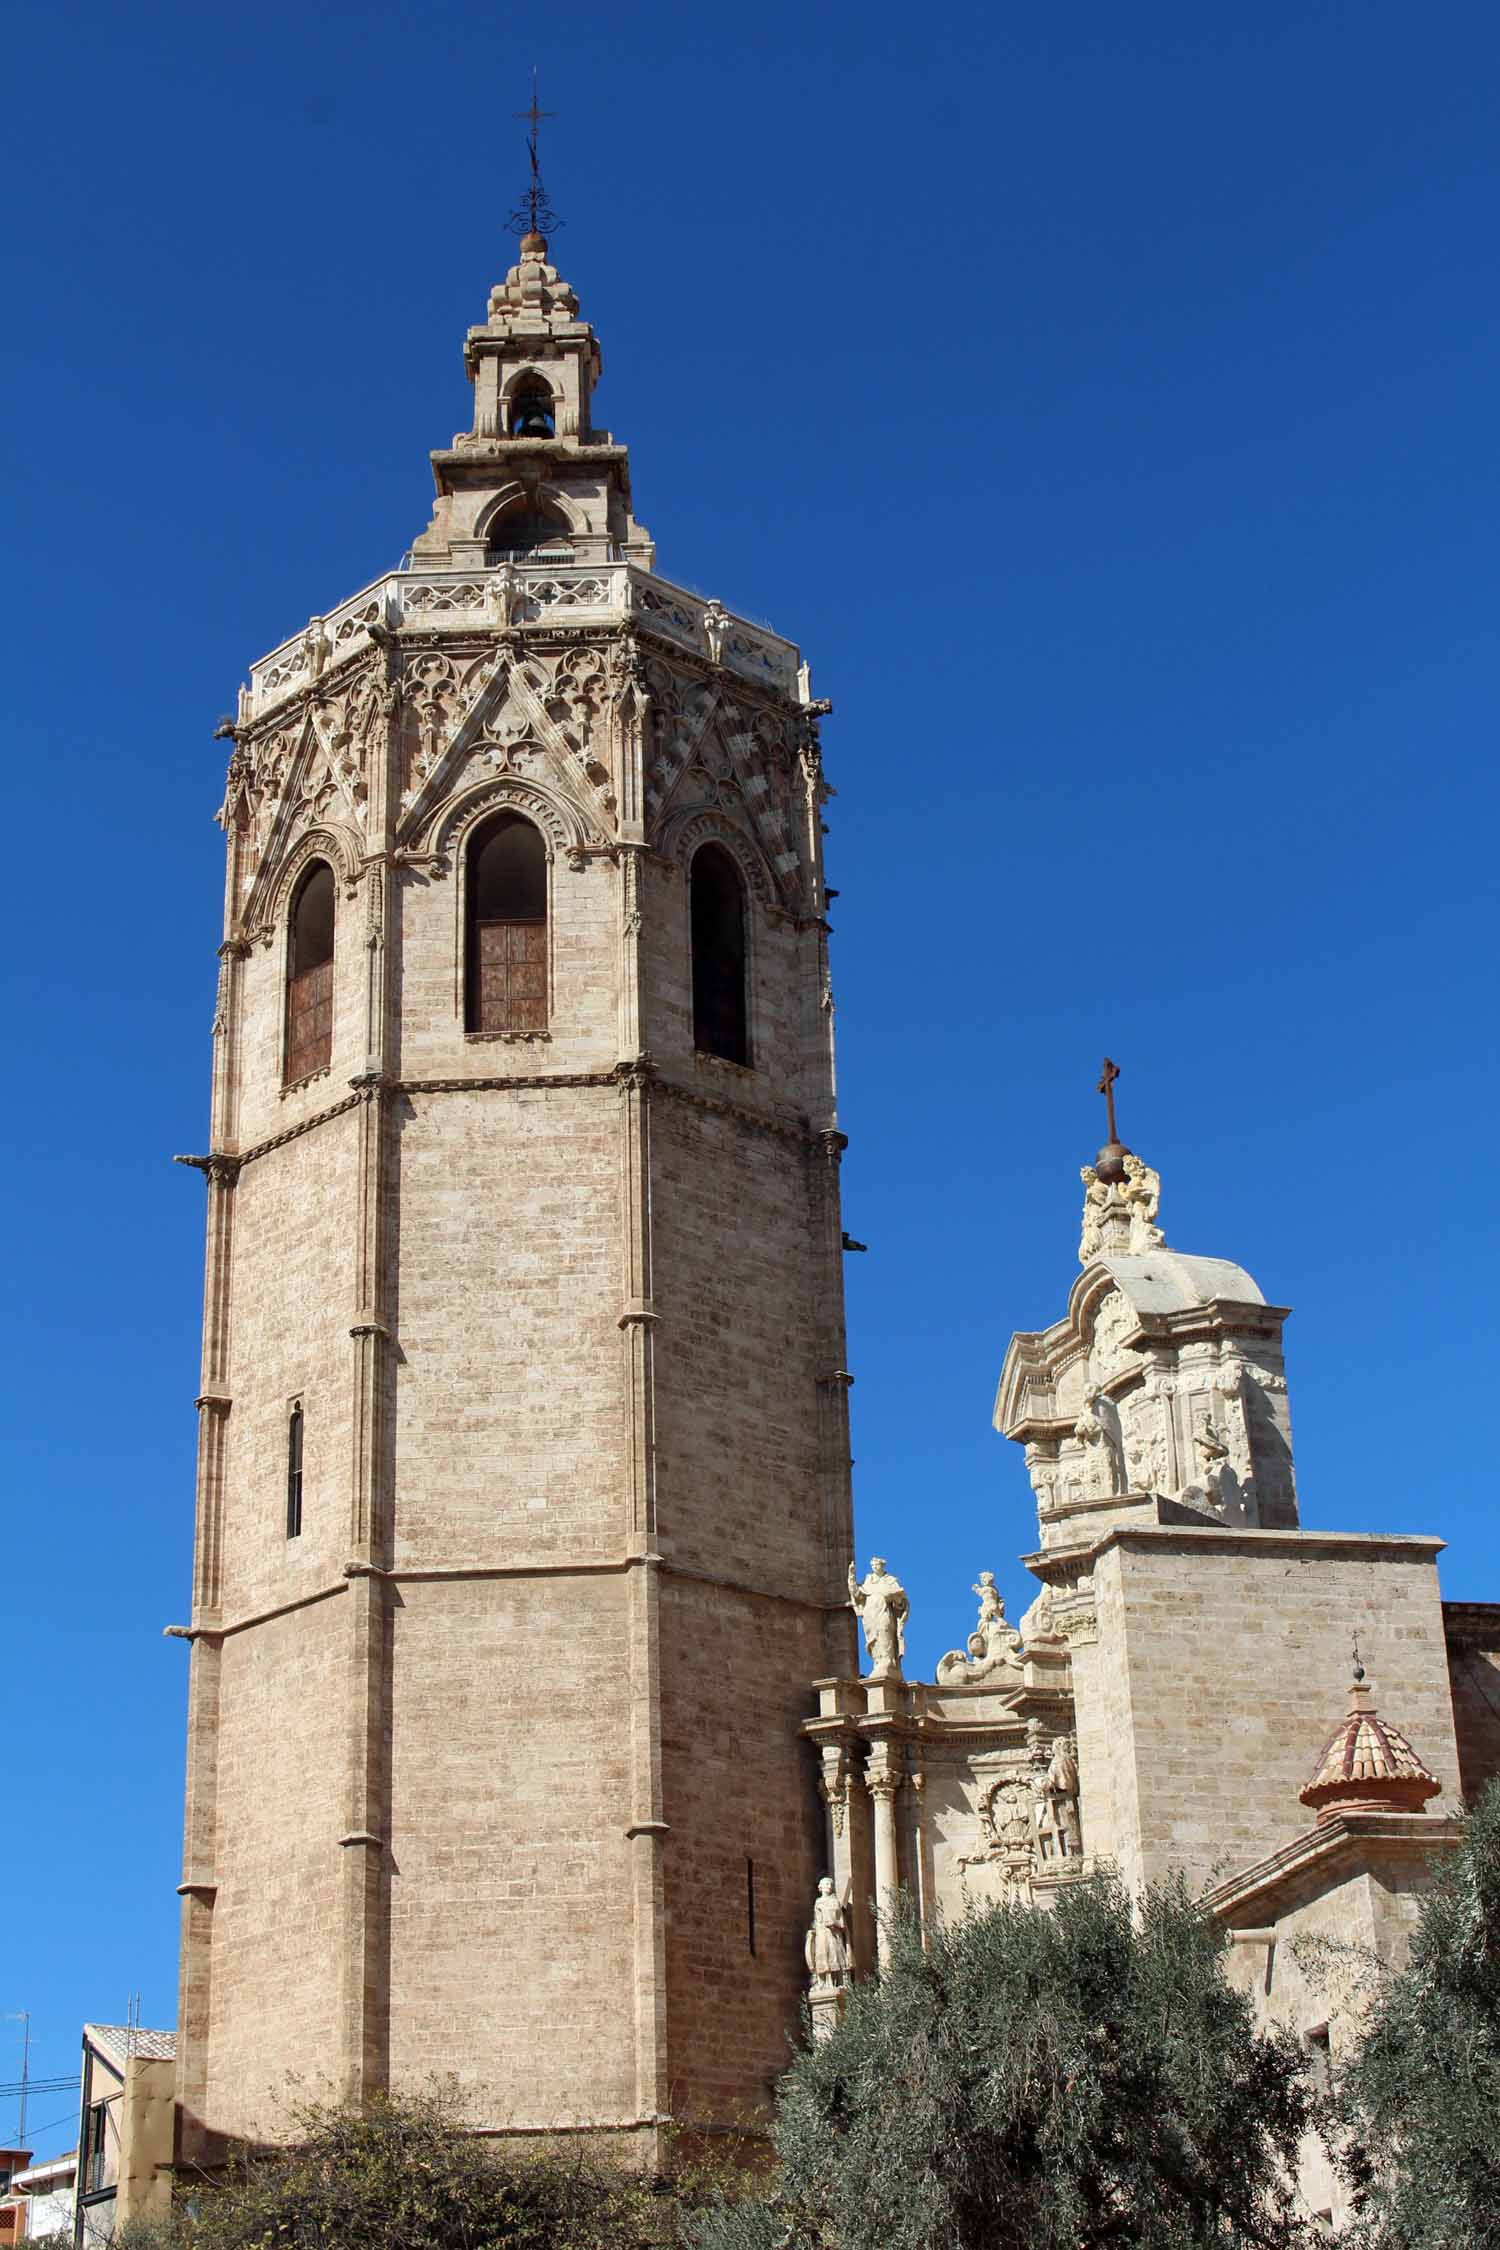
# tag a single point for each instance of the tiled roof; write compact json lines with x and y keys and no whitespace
{"x":1369,"y":1764}
{"x":117,"y":2041}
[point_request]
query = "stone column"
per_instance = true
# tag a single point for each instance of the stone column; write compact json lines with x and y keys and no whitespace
{"x":883,"y":1783}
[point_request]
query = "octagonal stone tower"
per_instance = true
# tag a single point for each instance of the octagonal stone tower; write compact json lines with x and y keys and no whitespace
{"x":523,"y":1502}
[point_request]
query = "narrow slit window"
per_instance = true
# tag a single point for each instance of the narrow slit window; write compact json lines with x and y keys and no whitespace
{"x":309,"y":980}
{"x":506,"y":977}
{"x":750,"y":1904}
{"x":294,"y":1473}
{"x":1320,"y":2058}
{"x":720,"y":1004}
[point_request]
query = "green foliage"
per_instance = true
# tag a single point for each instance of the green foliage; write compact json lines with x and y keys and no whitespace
{"x":406,"y":2175}
{"x":1062,"y":2081}
{"x":1420,"y":2100}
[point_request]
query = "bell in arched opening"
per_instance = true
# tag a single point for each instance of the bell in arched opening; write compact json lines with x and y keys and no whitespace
{"x":531,"y":414}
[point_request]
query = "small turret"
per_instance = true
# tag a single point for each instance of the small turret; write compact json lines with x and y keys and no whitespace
{"x":1367,"y":1766}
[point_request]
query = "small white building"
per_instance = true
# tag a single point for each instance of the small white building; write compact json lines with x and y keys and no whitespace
{"x":47,"y":2190}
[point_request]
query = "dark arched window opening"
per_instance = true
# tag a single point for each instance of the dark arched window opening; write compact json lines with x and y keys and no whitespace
{"x":506,"y":952}
{"x":720,"y":1015}
{"x":309,"y":976}
{"x":527,"y":534}
{"x":531,"y":412}
{"x":294,"y":1473}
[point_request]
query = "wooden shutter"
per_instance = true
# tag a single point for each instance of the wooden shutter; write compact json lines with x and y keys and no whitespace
{"x":512,"y":976}
{"x":309,"y":1022}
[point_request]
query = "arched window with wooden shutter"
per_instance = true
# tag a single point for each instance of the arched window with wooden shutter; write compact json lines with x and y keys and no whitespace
{"x":721,"y":1014}
{"x":309,"y":975}
{"x":506,"y":949}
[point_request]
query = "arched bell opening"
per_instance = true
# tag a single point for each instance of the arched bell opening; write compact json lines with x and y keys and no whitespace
{"x":527,"y":533}
{"x":531,"y":412}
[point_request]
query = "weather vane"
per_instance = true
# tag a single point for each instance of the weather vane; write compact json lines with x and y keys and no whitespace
{"x":534,"y":214}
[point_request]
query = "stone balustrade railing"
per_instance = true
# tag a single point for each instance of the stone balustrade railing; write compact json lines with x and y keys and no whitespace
{"x":581,"y":593}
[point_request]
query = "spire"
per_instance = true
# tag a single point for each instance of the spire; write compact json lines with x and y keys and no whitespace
{"x":1367,"y":1766}
{"x":1121,"y":1192}
{"x":534,"y":217}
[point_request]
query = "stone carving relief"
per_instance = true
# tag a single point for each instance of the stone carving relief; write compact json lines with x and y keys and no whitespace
{"x":710,"y":752}
{"x":880,"y":1603}
{"x":1115,"y":1319}
{"x":994,"y":1646}
{"x":1100,"y":1468}
{"x":1000,"y":1866}
{"x":1119,"y":1216}
{"x":833,"y":1782}
{"x":1039,"y":1627}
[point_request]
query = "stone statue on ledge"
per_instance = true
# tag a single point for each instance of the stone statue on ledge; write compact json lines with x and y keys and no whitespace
{"x":1059,"y":1836}
{"x":826,"y":1948}
{"x":993,"y":1645}
{"x":881,"y":1604}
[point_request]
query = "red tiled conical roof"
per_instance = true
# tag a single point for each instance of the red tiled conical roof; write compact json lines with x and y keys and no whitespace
{"x":1368,"y":1766}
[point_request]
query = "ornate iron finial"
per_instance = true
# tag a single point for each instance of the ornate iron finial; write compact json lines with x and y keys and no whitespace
{"x":1359,"y":1670}
{"x":534,"y":214}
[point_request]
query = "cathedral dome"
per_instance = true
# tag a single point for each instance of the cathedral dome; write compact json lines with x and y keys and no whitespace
{"x":1368,"y":1766}
{"x":1167,"y":1281}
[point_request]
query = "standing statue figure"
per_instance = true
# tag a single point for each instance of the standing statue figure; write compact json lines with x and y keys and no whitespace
{"x":826,"y":1947}
{"x":1055,"y":1806}
{"x":882,"y":1608}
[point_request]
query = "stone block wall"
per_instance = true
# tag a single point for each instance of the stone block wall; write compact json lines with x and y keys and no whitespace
{"x":274,"y":1997}
{"x":1226,"y":1656}
{"x":1473,"y":1634}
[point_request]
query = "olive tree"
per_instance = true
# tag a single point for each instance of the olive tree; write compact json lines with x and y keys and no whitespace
{"x":1063,"y":2080}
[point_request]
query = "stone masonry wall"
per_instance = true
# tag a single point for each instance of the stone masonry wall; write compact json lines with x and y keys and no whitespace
{"x":740,"y":1800}
{"x":275,"y":1994}
{"x":509,"y":1428}
{"x":1236,"y":1647}
{"x":1473,"y":1634}
{"x":289,"y":1338}
{"x":511,"y":1960}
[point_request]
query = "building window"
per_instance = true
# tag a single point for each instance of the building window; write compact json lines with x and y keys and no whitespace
{"x":720,"y":1014}
{"x":750,"y":1905}
{"x":506,"y":907}
{"x":309,"y":976}
{"x":1320,"y":2058}
{"x":294,"y":1473}
{"x":93,"y":2148}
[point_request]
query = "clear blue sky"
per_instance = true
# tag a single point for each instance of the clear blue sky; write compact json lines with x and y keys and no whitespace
{"x":1104,"y":398}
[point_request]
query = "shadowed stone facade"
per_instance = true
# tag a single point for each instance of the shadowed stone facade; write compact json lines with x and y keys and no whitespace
{"x":498,"y":1666}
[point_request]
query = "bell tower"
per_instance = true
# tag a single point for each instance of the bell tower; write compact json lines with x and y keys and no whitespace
{"x":523,"y":1507}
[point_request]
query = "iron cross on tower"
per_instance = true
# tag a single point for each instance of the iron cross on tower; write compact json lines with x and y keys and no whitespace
{"x":1106,"y":1087}
{"x":534,"y":214}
